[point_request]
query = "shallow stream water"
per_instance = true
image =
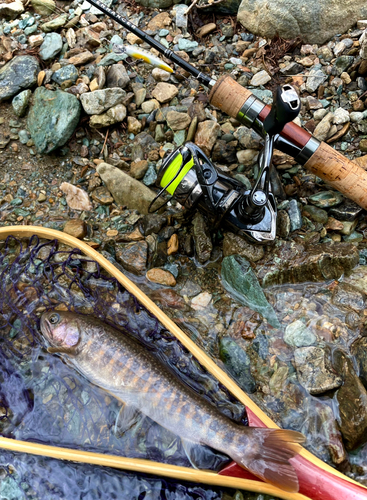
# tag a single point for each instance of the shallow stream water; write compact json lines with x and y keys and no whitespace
{"x":43,"y":400}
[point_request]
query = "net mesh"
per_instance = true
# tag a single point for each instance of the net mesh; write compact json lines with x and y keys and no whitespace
{"x":44,"y":400}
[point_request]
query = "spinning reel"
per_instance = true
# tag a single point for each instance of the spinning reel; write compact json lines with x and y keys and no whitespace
{"x":188,"y":175}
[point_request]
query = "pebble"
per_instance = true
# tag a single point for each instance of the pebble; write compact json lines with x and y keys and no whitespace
{"x":20,"y":102}
{"x":201,"y":301}
{"x":298,"y":335}
{"x":261,"y":78}
{"x":172,"y":245}
{"x":161,"y":277}
{"x":51,"y":46}
{"x":164,"y":92}
{"x":76,"y":198}
{"x":95,"y":103}
{"x":76,"y":228}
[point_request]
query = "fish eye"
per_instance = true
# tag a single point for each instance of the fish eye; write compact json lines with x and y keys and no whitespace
{"x":54,"y":318}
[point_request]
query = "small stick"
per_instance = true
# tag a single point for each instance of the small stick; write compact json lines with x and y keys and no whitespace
{"x":191,"y":6}
{"x":105,"y":140}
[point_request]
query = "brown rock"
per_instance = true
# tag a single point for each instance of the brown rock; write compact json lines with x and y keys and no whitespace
{"x":363,"y":145}
{"x":102,"y":196}
{"x":82,"y":58}
{"x":249,"y":52}
{"x":358,"y":105}
{"x":164,"y":92}
{"x":133,"y":257}
{"x":361,"y":161}
{"x":134,"y":236}
{"x":333,"y":225}
{"x":206,"y":29}
{"x":133,"y":125}
{"x":172,"y":245}
{"x":76,"y":228}
{"x":206,"y":135}
{"x":161,"y":277}
{"x":362,"y":70}
{"x":160,"y":21}
{"x":112,"y":233}
{"x":178,"y":121}
{"x":138,"y":169}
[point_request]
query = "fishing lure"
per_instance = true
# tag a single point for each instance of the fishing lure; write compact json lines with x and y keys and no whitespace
{"x":138,"y":53}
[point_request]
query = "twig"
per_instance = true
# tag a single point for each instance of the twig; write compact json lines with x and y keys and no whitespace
{"x":191,"y":6}
{"x":105,"y":140}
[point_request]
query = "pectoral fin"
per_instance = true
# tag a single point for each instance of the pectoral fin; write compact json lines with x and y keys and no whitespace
{"x":127,"y":417}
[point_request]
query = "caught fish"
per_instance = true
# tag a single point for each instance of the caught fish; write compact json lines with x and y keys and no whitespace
{"x":110,"y":359}
{"x":145,"y":55}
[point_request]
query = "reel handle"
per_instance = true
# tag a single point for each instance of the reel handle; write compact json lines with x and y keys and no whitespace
{"x":285,"y":108}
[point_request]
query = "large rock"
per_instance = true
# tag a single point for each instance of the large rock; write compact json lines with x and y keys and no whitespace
{"x":19,"y":74}
{"x":52,"y":118}
{"x":125,"y":190}
{"x":312,"y":20}
{"x":95,"y":103}
{"x":294,"y":263}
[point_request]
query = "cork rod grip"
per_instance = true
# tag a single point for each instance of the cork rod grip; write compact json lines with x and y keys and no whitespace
{"x":340,"y":173}
{"x":228,"y":95}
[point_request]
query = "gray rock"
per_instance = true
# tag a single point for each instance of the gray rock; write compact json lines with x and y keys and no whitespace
{"x":23,"y":136}
{"x":187,"y":45}
{"x":117,"y":76}
{"x":125,"y":190}
{"x":261,"y":78}
{"x":314,"y":370}
{"x":68,"y":72}
{"x":295,"y":215}
{"x":111,"y":58}
{"x":116,"y":114}
{"x":298,"y":335}
{"x":342,"y":63}
{"x":240,"y":281}
{"x":316,"y":78}
{"x":20,"y":102}
{"x":18,"y":74}
{"x":51,"y":46}
{"x":292,"y":68}
{"x":95,"y":103}
{"x":313,"y":21}
{"x":52,"y":118}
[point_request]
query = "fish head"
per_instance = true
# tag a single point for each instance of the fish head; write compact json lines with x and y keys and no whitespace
{"x":61,"y":329}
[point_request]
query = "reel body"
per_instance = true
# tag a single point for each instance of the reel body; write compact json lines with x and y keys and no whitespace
{"x":190,"y":177}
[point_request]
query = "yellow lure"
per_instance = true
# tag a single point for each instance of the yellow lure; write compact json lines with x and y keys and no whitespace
{"x":138,"y":53}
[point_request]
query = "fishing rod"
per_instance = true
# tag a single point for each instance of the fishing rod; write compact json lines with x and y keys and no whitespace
{"x":238,"y":102}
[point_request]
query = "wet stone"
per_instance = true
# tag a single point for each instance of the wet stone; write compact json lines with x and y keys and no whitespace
{"x":359,"y":350}
{"x":235,"y":245}
{"x":293,"y":263}
{"x":352,"y":400}
{"x":314,"y":371}
{"x":152,"y":223}
{"x":295,"y":215}
{"x":326,"y":199}
{"x":347,"y":211}
{"x":133,"y":257}
{"x":161,"y":277}
{"x":240,"y":281}
{"x":298,"y":335}
{"x":203,"y":243}
{"x":315,"y":214}
{"x":238,"y":363}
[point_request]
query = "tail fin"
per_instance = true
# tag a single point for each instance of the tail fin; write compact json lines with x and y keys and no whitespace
{"x":267,"y":453}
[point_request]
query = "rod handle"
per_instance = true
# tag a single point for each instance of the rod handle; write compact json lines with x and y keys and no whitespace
{"x":228,"y":95}
{"x":340,"y":173}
